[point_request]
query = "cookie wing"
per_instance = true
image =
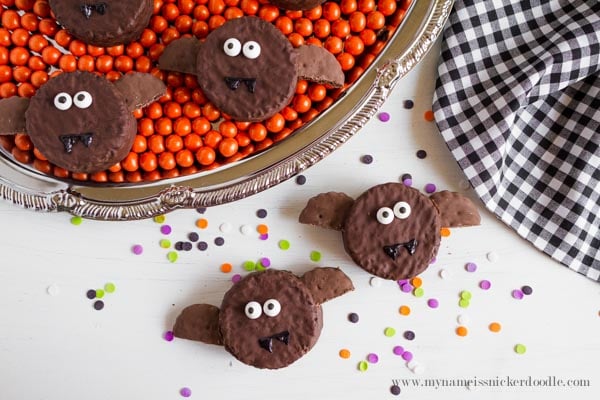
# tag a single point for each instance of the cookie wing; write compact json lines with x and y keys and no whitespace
{"x":327,"y":210}
{"x":199,"y":322}
{"x":316,"y":64}
{"x":140,"y":89}
{"x":327,"y":283}
{"x":180,"y":56}
{"x":12,"y":115}
{"x":456,"y":210}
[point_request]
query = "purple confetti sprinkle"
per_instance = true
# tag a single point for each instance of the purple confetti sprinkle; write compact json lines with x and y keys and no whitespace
{"x":186,"y":392}
{"x":407,"y":182}
{"x":372,"y":358}
{"x":264,"y":236}
{"x":265,"y":262}
{"x":402,"y":282}
{"x":471,"y":267}
{"x":485,"y":284}
{"x":407,"y":288}
{"x":236,"y":278}
{"x":137,"y":249}
{"x":407,"y":356}
{"x":517,"y":294}
{"x":398,"y":350}
{"x":384,"y":117}
{"x":165,"y":229}
{"x":433,"y":303}
{"x":169,"y":336}
{"x":430,"y":188}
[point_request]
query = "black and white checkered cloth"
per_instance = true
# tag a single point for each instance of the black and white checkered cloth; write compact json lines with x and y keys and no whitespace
{"x":517,"y":101}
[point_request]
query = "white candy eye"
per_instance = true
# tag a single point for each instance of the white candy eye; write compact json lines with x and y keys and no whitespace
{"x":232,"y":47}
{"x":402,"y":210}
{"x":385,"y":215}
{"x":251,"y":49}
{"x":63,"y":101}
{"x":272,"y":307}
{"x":82,"y":99}
{"x":253,"y":310}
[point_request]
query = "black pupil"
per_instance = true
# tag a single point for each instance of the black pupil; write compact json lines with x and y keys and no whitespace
{"x":251,"y":47}
{"x":251,"y":310}
{"x":230,"y":46}
{"x":402,"y":210}
{"x":81,"y":97}
{"x":271,"y":306}
{"x":384,"y":214}
{"x":62,"y":99}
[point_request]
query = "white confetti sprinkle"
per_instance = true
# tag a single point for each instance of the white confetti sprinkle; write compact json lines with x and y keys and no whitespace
{"x":463,"y":319}
{"x":443,"y":273}
{"x":419,"y":369}
{"x":492,"y":256}
{"x":375,"y":281}
{"x":246,"y":230}
{"x":53,"y":290}
{"x":225,"y":227}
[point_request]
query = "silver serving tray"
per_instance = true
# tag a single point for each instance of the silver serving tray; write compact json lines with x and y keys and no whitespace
{"x":26,"y":187}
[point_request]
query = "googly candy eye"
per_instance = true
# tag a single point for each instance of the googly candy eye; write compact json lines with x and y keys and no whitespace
{"x":385,"y":215}
{"x":63,"y":101}
{"x":253,"y":310}
{"x":82,"y":99}
{"x":251,"y":50}
{"x":402,"y":210}
{"x":272,"y":308}
{"x":232,"y":47}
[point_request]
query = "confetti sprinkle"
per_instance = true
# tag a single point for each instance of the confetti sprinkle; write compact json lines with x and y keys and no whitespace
{"x":527,"y":290}
{"x":185,"y":392}
{"x":236,"y":278}
{"x":433,"y":303}
{"x":246,"y":230}
{"x":485,"y":284}
{"x":172,"y":256}
{"x":201,"y":210}
{"x":375,"y":281}
{"x":389,"y":331}
{"x":517,"y":294}
{"x":264,"y":236}
{"x":353,"y":317}
{"x":406,"y":287}
{"x":428,"y":115}
{"x":462,"y":331}
{"x":165,"y":229}
{"x":372,"y":358}
{"x":407,"y":356}
{"x":262,"y":213}
{"x":421,"y":154}
{"x":249,"y":265}
{"x":90,"y":294}
{"x":159,"y":219}
{"x":225,"y":227}
{"x":315,"y":256}
{"x":444,"y":274}
{"x":226,"y":268}
{"x":53,"y":290}
{"x":110,"y":287}
{"x":404,"y":310}
{"x":495,"y":327}
{"x":398,"y":350}
{"x":219,"y":241}
{"x":363,"y":366}
{"x":169,"y":336}
{"x":137,"y":249}
{"x":262,"y":229}
{"x":520,"y":348}
{"x":445,"y":232}
{"x":464,"y":303}
{"x":76,"y":220}
{"x":416,"y":282}
{"x":384,"y":117}
{"x":99,"y":293}
{"x":366,"y":159}
{"x":265,"y":262}
{"x":492,"y":256}
{"x":471,"y":267}
{"x":463,"y":319}
{"x":345,"y":353}
{"x":409,"y":335}
{"x":98,"y":305}
{"x":284,"y":244}
{"x":465,"y":295}
{"x":408,"y":104}
{"x":300,"y":179}
{"x":193,"y":237}
{"x":418,"y":292}
{"x":395,"y":390}
{"x":165,"y":243}
{"x":202,"y":223}
{"x":202,"y":246}
{"x":430,"y":188}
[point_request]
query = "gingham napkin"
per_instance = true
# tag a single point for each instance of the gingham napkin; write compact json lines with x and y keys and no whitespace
{"x":517,"y":101}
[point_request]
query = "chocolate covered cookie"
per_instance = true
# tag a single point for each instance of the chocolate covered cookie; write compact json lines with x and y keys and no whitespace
{"x":391,"y":230}
{"x":248,"y":68}
{"x":103,"y":23}
{"x":269,"y":319}
{"x":80,"y":121}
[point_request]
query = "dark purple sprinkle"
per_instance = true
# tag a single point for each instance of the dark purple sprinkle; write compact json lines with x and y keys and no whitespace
{"x":300,"y":179}
{"x":219,"y":241}
{"x":366,"y":159}
{"x":409,"y":335}
{"x":395,"y":390}
{"x":179,"y":246}
{"x":202,"y":246}
{"x":91,"y":294}
{"x":421,"y":154}
{"x":187,"y":246}
{"x":201,"y":210}
{"x":353,"y":317}
{"x":408,"y":104}
{"x":405,"y":177}
{"x":527,"y":290}
{"x":193,"y":237}
{"x":98,"y":305}
{"x":262,"y":213}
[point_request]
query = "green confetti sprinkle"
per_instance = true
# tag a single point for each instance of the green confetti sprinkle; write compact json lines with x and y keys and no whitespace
{"x":363,"y":366}
{"x":249,"y":265}
{"x":165,"y":243}
{"x":465,"y":295}
{"x":284,"y":244}
{"x":520,"y":348}
{"x":110,"y":287}
{"x":464,"y":303}
{"x":99,"y":293}
{"x":172,"y":256}
{"x":315,"y":256}
{"x":76,"y":220}
{"x":389,"y":331}
{"x":260,"y":267}
{"x":159,"y":219}
{"x":418,"y":292}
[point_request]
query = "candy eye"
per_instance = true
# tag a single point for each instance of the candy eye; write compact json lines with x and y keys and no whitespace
{"x":82,"y":99}
{"x":63,"y":101}
{"x":272,"y":308}
{"x":253,"y":310}
{"x":251,"y":49}
{"x":385,"y":215}
{"x":402,"y":210}
{"x":232,"y":47}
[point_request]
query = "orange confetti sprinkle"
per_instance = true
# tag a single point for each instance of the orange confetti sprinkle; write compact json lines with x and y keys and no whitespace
{"x":416,"y":282}
{"x":428,"y":116}
{"x":202,"y":223}
{"x":262,"y":229}
{"x":462,"y":331}
{"x":226,"y":267}
{"x":445,"y":232}
{"x":404,"y":310}
{"x":345,"y":353}
{"x":495,"y":327}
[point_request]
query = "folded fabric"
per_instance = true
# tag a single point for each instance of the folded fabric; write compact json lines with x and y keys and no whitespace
{"x":517,"y":101}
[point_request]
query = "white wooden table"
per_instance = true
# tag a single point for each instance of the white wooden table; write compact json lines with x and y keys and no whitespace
{"x":54,"y":345}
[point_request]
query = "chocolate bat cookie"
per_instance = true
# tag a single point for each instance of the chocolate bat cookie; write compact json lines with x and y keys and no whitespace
{"x":80,"y":121}
{"x":269,"y":319}
{"x":248,"y":68}
{"x":103,"y":22}
{"x":391,"y":230}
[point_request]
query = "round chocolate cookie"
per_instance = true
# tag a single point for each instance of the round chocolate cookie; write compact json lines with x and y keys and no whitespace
{"x":247,"y":67}
{"x":80,"y":121}
{"x":392,"y":231}
{"x":296,"y":4}
{"x":270,"y":319}
{"x":103,"y":23}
